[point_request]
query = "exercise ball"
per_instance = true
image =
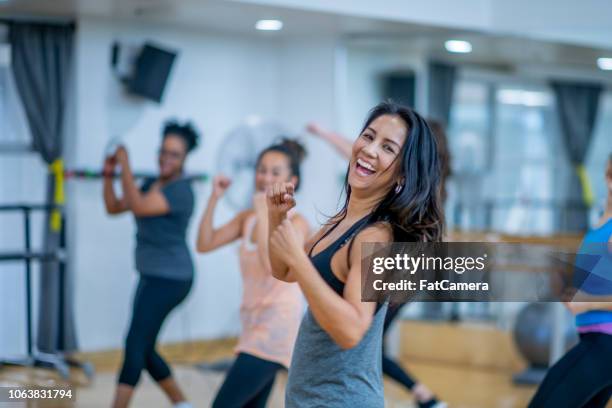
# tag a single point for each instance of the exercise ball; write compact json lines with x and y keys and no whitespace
{"x":533,"y":332}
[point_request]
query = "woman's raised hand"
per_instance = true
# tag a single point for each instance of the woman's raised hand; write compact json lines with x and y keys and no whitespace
{"x":220,"y":184}
{"x":281,"y":198}
{"x":110,"y":163}
{"x":315,"y":129}
{"x":122,"y":156}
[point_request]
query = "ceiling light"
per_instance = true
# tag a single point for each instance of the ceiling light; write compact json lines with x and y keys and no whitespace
{"x":269,"y":25}
{"x":604,"y":63}
{"x":458,"y":46}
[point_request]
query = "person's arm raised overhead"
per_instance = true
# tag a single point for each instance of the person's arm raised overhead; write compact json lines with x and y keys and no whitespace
{"x":339,"y":142}
{"x":149,"y":204}
{"x":112,"y":203}
{"x":210,"y":238}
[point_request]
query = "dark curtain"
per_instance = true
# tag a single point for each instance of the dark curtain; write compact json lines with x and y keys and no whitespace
{"x":42,"y":66}
{"x":441,"y":86}
{"x":577,"y":105}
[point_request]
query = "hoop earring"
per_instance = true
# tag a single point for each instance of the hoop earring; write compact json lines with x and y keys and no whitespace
{"x":398,"y":188}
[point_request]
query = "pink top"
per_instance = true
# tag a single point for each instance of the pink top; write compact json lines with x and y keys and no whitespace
{"x":271,"y":309}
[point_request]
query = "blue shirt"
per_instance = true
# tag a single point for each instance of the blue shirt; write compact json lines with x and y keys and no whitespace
{"x":593,"y":272}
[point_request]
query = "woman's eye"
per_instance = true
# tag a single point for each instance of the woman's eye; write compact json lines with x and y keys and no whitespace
{"x":388,"y":148}
{"x":367,"y":136}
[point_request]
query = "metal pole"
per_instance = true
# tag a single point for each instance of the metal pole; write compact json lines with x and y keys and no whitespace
{"x":28,"y":248}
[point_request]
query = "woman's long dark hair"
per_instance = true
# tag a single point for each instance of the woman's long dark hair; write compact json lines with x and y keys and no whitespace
{"x":414,"y":213}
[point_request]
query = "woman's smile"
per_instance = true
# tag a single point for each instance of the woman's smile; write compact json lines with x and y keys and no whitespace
{"x":363,"y":168}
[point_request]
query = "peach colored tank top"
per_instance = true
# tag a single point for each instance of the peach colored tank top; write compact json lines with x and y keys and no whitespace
{"x":271,"y":309}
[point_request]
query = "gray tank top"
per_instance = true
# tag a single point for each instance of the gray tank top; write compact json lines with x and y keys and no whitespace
{"x":322,"y":374}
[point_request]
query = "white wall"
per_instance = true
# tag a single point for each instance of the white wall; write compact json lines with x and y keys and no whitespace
{"x":217,"y":81}
{"x":308,"y":93}
{"x":365,"y":67}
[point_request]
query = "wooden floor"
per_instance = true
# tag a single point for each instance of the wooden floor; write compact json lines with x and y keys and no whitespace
{"x":460,"y":386}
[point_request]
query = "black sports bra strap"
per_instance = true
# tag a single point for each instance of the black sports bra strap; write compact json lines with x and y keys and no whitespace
{"x":350,"y":234}
{"x":344,"y":238}
{"x":329,"y":231}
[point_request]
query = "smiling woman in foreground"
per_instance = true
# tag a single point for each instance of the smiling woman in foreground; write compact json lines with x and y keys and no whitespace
{"x":392,"y":194}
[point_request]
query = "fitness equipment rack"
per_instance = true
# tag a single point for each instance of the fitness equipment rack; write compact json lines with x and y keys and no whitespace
{"x":34,"y":358}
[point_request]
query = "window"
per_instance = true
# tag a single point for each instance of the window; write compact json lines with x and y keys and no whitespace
{"x":526,"y":155}
{"x":14,"y":134}
{"x":469,"y":144}
{"x":510,"y":167}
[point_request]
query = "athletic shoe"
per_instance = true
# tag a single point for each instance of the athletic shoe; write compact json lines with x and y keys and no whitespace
{"x":433,"y":403}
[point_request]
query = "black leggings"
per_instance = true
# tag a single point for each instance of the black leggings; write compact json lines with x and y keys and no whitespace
{"x":582,"y":378}
{"x":390,"y":367}
{"x":248,"y":383}
{"x":154,"y":300}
